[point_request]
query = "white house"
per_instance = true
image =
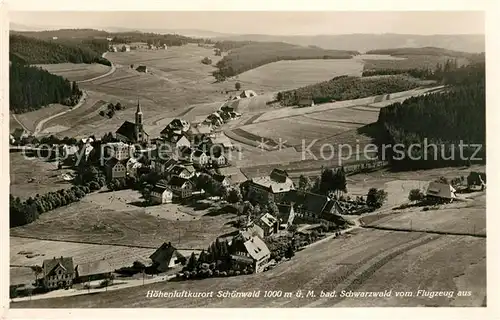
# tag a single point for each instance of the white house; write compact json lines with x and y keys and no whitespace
{"x":199,"y":158}
{"x":161,"y":194}
{"x":181,"y":187}
{"x":58,"y":272}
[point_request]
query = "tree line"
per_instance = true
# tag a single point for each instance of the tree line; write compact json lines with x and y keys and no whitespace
{"x":36,"y":51}
{"x":437,"y":73}
{"x":347,"y":88}
{"x":244,"y":57}
{"x":443,"y":118}
{"x":32,"y":88}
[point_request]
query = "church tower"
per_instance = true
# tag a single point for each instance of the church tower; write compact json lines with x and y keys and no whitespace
{"x":139,"y":131}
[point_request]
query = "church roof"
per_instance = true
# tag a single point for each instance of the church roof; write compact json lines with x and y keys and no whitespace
{"x":127,"y":129}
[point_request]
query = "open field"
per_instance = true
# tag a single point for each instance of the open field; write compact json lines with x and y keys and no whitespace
{"x":76,"y":71}
{"x":45,"y":174}
{"x":362,"y":260}
{"x":460,"y":217}
{"x":25,"y":252}
{"x":285,"y":75}
{"x":31,"y":119}
{"x":93,"y":221}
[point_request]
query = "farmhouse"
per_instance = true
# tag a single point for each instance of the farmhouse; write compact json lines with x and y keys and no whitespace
{"x":142,"y":69}
{"x":273,"y":187}
{"x":181,"y":187}
{"x":248,"y":94}
{"x":305,"y":102}
{"x":179,"y":170}
{"x":18,"y":134}
{"x":161,"y":194}
{"x":176,"y":126}
{"x":223,"y":180}
{"x":252,"y":252}
{"x":199,"y":158}
{"x":58,"y":272}
{"x":93,"y":271}
{"x":268,"y":223}
{"x":175,"y":142}
{"x":214,"y":119}
{"x":118,"y":150}
{"x":167,"y":257}
{"x":133,"y":132}
{"x":440,"y":192}
{"x":218,"y":160}
{"x":116,"y":169}
{"x":308,"y":204}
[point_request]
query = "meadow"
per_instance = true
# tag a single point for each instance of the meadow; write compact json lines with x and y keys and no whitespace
{"x":359,"y":260}
{"x":76,"y":71}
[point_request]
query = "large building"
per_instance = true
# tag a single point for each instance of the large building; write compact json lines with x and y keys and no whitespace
{"x":58,"y":273}
{"x":133,"y":132}
{"x":272,"y":187}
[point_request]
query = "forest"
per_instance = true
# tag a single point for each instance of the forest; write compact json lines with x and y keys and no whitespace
{"x":35,"y":51}
{"x":426,"y":51}
{"x":32,"y":88}
{"x":256,"y":54}
{"x":445,"y":119}
{"x":346,"y":88}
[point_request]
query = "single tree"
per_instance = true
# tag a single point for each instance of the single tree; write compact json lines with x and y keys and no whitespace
{"x":237,"y":86}
{"x":415,"y":195}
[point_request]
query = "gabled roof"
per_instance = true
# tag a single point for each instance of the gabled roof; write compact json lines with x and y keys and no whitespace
{"x":284,"y":211}
{"x":441,"y":190}
{"x":198,"y":153}
{"x":50,"y":264}
{"x":256,"y":248}
{"x":127,"y":129}
{"x":165,"y":253}
{"x":268,"y":219}
{"x":159,"y":188}
{"x":279,"y":175}
{"x":312,"y":202}
{"x":178,"y":181}
{"x":273,"y":185}
{"x":96,"y":267}
{"x":114,"y":161}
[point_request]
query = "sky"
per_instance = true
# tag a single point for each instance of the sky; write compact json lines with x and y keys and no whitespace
{"x":266,"y":22}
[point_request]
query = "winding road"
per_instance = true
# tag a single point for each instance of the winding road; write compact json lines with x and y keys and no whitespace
{"x":42,"y":122}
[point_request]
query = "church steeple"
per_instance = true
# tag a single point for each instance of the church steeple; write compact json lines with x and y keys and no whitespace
{"x":138,"y":114}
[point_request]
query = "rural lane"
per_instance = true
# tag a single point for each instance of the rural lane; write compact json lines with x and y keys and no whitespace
{"x":39,"y":125}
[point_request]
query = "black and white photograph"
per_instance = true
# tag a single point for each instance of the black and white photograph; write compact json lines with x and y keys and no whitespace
{"x":246,"y":159}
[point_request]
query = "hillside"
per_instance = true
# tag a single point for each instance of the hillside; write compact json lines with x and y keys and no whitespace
{"x":365,"y":42}
{"x":446,"y":119}
{"x":36,"y":51}
{"x":63,"y":34}
{"x":32,"y":88}
{"x":245,"y":56}
{"x":424,"y":51}
{"x":347,"y":88}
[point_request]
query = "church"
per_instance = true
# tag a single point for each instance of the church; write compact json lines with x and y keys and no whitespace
{"x":133,"y":132}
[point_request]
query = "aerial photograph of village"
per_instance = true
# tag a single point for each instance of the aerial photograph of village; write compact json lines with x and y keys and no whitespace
{"x":247,"y":159}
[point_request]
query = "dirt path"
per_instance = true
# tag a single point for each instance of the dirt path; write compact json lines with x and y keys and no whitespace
{"x":20,"y":123}
{"x":113,"y":69}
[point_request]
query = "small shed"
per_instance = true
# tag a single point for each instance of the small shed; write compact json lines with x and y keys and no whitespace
{"x":142,"y":69}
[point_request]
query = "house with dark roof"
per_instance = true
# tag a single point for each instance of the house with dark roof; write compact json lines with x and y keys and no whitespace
{"x":250,"y":252}
{"x":167,"y":257}
{"x":161,"y":194}
{"x":161,"y":165}
{"x":91,"y":271}
{"x":179,"y":170}
{"x":274,"y":186}
{"x":175,"y":127}
{"x":181,"y":187}
{"x":223,"y":180}
{"x":310,"y":204}
{"x":199,"y":158}
{"x":130,"y":132}
{"x":58,"y":272}
{"x":116,"y":169}
{"x":440,"y":192}
{"x":19,"y":133}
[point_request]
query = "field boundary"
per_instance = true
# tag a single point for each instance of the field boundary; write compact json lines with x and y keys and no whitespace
{"x":450,"y":233}
{"x":102,"y":244}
